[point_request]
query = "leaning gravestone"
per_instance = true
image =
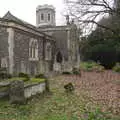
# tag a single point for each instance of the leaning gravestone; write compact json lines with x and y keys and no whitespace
{"x":17,"y":92}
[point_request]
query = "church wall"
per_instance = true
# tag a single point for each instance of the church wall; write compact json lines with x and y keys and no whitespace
{"x":4,"y":54}
{"x":22,"y":61}
{"x":21,"y":53}
{"x":48,"y":62}
{"x":74,"y":46}
{"x":61,"y":43}
{"x":67,"y":42}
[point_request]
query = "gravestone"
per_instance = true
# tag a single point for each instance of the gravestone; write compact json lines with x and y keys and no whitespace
{"x":17,"y":92}
{"x":47,"y":82}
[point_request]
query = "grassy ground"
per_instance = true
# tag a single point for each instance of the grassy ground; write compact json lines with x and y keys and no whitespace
{"x":59,"y":105}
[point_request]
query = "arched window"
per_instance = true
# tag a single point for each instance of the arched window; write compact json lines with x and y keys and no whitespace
{"x":42,"y":16}
{"x":48,"y":17}
{"x":48,"y":52}
{"x":33,"y":49}
{"x":59,"y":58}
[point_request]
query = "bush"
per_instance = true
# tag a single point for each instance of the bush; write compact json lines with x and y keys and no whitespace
{"x":76,"y":71}
{"x":40,"y":76}
{"x":24,"y":75}
{"x":2,"y":75}
{"x":116,"y":68}
{"x":102,"y":46}
{"x":69,"y":87}
{"x":9,"y":76}
{"x":66,"y":73}
{"x":91,"y":66}
{"x":5,"y":75}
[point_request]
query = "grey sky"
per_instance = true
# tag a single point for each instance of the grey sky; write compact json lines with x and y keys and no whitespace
{"x":26,"y":9}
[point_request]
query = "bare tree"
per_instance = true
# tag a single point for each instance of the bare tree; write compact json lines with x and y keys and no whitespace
{"x":89,"y":12}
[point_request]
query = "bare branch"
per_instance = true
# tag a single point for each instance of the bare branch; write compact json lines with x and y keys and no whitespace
{"x":89,"y":12}
{"x":92,"y":21}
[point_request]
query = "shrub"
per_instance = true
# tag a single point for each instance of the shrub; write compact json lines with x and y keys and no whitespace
{"x":69,"y":87}
{"x":40,"y":76}
{"x":116,"y":68}
{"x":2,"y":75}
{"x":24,"y":75}
{"x":5,"y":75}
{"x":76,"y":71}
{"x":66,"y":73}
{"x":9,"y":76}
{"x":91,"y":66}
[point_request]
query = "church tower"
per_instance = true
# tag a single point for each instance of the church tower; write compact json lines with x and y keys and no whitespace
{"x":45,"y":15}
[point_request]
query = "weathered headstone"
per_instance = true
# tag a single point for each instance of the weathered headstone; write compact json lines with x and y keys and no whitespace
{"x":17,"y":92}
{"x":47,"y":82}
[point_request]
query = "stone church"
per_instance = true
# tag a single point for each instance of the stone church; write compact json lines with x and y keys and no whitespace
{"x":41,"y":48}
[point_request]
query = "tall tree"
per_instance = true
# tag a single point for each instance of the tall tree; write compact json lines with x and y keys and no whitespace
{"x":89,"y":12}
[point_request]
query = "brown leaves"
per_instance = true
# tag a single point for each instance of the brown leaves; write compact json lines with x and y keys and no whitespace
{"x":102,"y":87}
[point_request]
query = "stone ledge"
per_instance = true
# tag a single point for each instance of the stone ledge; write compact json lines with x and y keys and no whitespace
{"x":14,"y":89}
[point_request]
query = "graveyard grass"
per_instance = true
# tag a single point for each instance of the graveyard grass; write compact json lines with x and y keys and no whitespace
{"x":58,"y":105}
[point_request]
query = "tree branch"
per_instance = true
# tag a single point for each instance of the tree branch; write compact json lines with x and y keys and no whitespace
{"x":92,"y":21}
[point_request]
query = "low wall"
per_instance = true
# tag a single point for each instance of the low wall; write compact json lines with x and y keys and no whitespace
{"x":18,"y":92}
{"x":31,"y":90}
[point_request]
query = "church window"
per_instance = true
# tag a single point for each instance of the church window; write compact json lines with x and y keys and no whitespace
{"x":42,"y":16}
{"x":33,"y":49}
{"x":59,"y":58}
{"x":48,"y":52}
{"x":48,"y":17}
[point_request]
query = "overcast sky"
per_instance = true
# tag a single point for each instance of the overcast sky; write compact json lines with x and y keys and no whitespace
{"x":26,"y":9}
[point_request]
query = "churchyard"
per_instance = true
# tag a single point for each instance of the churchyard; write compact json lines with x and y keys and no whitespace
{"x":96,"y":96}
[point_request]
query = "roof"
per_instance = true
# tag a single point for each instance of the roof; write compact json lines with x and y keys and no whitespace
{"x":9,"y":17}
{"x":57,"y":28}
